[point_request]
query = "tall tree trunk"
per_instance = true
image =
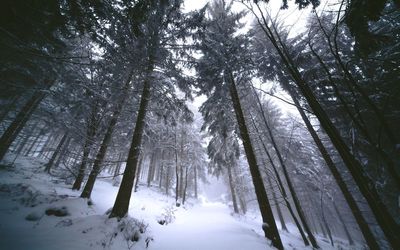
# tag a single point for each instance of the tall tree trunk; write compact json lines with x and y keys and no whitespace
{"x":19,"y":122}
{"x":232,"y":189}
{"x":87,"y":190}
{"x":365,"y":185}
{"x":121,"y":204}
{"x":90,"y":135}
{"x":269,"y":225}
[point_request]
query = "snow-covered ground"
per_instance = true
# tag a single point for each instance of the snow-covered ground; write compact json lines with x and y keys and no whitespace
{"x":26,"y":193}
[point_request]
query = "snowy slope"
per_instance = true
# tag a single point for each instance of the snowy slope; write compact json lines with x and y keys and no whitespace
{"x":26,"y":192}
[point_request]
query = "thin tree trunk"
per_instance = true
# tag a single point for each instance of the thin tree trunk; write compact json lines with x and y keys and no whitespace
{"x":269,"y":225}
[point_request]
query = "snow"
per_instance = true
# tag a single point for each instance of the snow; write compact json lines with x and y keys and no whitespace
{"x":26,"y":192}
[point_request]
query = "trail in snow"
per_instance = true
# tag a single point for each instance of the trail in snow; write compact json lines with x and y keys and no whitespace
{"x":207,"y":226}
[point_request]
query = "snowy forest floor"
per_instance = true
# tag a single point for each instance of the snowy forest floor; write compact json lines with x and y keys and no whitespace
{"x":38,"y":211}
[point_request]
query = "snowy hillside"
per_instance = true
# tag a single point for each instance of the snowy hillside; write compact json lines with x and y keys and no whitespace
{"x":42,"y":212}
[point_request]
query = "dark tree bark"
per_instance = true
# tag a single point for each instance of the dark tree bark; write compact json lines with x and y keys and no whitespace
{"x":56,"y":153}
{"x":121,"y":204}
{"x":269,"y":225}
{"x":19,"y":122}
{"x":92,"y":124}
{"x":87,"y":190}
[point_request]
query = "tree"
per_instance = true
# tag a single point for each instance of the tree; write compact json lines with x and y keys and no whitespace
{"x":220,"y":67}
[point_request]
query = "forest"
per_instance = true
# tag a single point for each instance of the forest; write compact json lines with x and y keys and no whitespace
{"x":188,"y":124}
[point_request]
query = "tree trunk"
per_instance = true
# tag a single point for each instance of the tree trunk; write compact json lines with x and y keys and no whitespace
{"x":87,"y":190}
{"x":121,"y":204}
{"x":19,"y":122}
{"x":92,"y":125}
{"x":232,"y":188}
{"x":60,"y":145}
{"x":269,"y":225}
